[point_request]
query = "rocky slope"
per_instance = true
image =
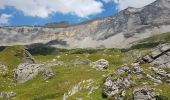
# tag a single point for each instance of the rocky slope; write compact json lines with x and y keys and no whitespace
{"x":116,"y":31}
{"x":117,"y":84}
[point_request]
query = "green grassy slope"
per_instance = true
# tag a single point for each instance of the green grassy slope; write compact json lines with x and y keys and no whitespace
{"x":68,"y":76}
{"x":152,"y":41}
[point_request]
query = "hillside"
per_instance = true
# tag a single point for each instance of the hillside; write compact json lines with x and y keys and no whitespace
{"x":86,"y":74}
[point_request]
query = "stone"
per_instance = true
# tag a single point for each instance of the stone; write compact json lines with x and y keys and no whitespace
{"x":115,"y":86}
{"x":165,"y":47}
{"x":137,"y":70}
{"x":148,"y":59}
{"x":144,"y":94}
{"x":81,"y":62}
{"x":26,"y":71}
{"x":123,"y":69}
{"x":153,"y":79}
{"x":100,"y":64}
{"x":163,"y":59}
{"x":156,"y":53}
{"x":7,"y":95}
{"x":48,"y":73}
{"x":160,"y":72}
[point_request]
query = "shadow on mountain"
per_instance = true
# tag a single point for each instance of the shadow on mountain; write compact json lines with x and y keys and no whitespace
{"x":45,"y":49}
{"x":57,"y":42}
{"x":142,"y":46}
{"x":2,"y":48}
{"x":41,"y":49}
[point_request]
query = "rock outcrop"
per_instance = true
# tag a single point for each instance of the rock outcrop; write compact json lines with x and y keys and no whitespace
{"x":112,"y":87}
{"x":29,"y":69}
{"x":144,"y":94}
{"x":124,"y":77}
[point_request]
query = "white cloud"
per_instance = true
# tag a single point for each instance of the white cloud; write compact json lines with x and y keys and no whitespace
{"x":123,"y":4}
{"x":43,"y":8}
{"x":4,"y":18}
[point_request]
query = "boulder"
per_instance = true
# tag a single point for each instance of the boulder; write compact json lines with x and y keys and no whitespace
{"x":153,"y":79}
{"x":7,"y":95}
{"x":123,"y":69}
{"x":26,"y":71}
{"x":160,"y":72}
{"x":80,"y":61}
{"x":48,"y":73}
{"x":137,"y":70}
{"x":144,"y":94}
{"x":100,"y":64}
{"x":115,"y":86}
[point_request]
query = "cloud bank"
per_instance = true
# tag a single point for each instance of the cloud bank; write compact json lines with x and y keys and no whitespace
{"x":4,"y":18}
{"x":44,"y":8}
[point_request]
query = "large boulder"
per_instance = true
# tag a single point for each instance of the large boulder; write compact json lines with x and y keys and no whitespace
{"x":100,"y":64}
{"x":144,"y":94}
{"x":26,"y":71}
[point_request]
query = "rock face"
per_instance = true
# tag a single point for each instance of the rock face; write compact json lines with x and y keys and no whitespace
{"x":116,"y":84}
{"x":127,"y":26}
{"x":144,"y":94}
{"x":27,"y":57}
{"x":100,"y":64}
{"x":159,"y":56}
{"x":7,"y":95}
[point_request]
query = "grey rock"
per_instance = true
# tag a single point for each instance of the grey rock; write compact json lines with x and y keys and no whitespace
{"x":123,"y":69}
{"x":148,"y":59}
{"x":7,"y":95}
{"x":165,"y":47}
{"x":137,"y":70}
{"x":144,"y":94}
{"x":81,"y":62}
{"x":48,"y":73}
{"x":156,"y":53}
{"x":115,"y":86}
{"x":26,"y":71}
{"x":153,"y":79}
{"x":160,"y":72}
{"x":100,"y":64}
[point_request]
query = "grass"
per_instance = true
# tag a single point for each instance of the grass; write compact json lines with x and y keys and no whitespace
{"x":68,"y":76}
{"x":151,"y":42}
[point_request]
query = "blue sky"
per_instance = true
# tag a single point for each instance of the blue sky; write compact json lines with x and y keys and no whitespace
{"x":39,"y":12}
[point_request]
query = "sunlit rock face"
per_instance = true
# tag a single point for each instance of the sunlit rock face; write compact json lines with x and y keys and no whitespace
{"x":115,"y":31}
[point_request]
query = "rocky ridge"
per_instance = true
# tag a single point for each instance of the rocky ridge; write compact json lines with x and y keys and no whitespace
{"x":116,"y":86}
{"x":125,"y":27}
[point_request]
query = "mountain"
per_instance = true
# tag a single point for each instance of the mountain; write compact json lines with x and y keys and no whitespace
{"x":116,"y":31}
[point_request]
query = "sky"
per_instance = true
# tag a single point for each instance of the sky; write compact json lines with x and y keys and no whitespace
{"x":40,"y":12}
